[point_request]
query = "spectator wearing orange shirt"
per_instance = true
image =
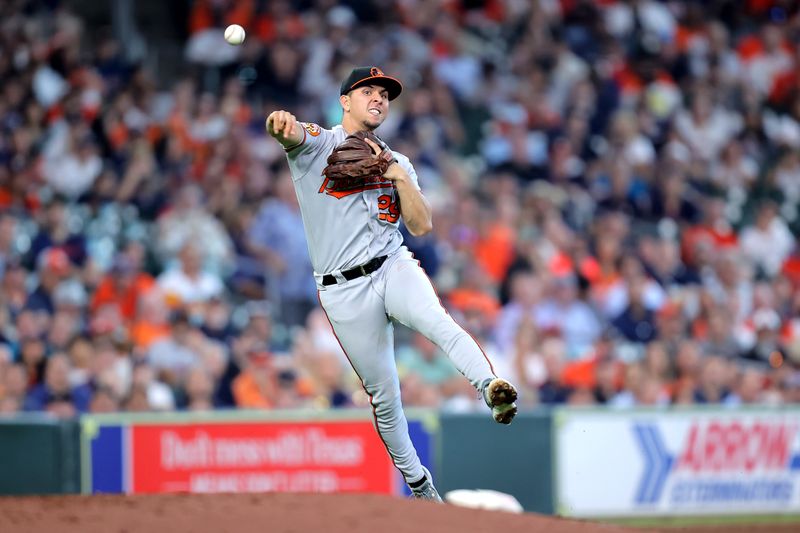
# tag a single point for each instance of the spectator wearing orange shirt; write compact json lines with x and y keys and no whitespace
{"x":256,"y":387}
{"x":475,"y":293}
{"x":152,"y":319}
{"x":123,"y":286}
{"x":206,"y":14}
{"x":494,"y":249}
{"x":276,"y":20}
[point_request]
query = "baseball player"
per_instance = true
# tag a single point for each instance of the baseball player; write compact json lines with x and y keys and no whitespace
{"x":365,"y":277}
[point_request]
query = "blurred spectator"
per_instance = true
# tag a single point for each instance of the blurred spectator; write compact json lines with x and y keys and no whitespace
{"x":56,"y":395}
{"x":70,"y":299}
{"x":748,"y":389}
{"x":151,"y":322}
{"x":189,"y":283}
{"x":104,"y":400}
{"x":642,"y":388}
{"x":632,"y":277}
{"x":13,"y":290}
{"x":729,"y":285}
{"x":768,"y":242}
{"x":217,"y":320}
{"x":767,"y":350}
{"x":713,"y":385}
{"x":714,"y":230}
{"x":8,"y":248}
{"x":72,"y":162}
{"x":327,"y":374}
{"x":33,"y":355}
{"x":525,"y":293}
{"x":607,"y":377}
{"x":719,"y":339}
{"x":123,"y":287}
{"x":705,"y":127}
{"x":636,"y":323}
{"x":475,"y":295}
{"x":63,"y":328}
{"x":657,"y":363}
{"x":572,"y":317}
{"x":187,"y":222}
{"x":138,"y":401}
{"x":53,"y":267}
{"x":173,"y":356}
{"x":257,"y":385}
{"x":661,"y":258}
{"x":148,"y":393}
{"x":529,"y":368}
{"x":735,"y":171}
{"x":56,"y":233}
{"x":14,"y":387}
{"x":199,"y":389}
{"x":552,"y":390}
{"x":276,"y":237}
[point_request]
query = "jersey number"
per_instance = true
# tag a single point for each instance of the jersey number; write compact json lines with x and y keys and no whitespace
{"x":389,"y":210}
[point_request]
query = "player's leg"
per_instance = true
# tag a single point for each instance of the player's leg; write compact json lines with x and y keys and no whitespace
{"x":411,"y":299}
{"x":356,"y":313}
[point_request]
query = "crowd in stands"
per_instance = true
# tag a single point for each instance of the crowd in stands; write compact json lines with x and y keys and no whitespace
{"x":615,"y":186}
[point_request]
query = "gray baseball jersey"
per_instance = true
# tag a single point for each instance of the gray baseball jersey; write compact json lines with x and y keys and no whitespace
{"x":344,"y":229}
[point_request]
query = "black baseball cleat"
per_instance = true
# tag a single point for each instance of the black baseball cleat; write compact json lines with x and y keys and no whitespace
{"x":425,"y":489}
{"x":500,"y":395}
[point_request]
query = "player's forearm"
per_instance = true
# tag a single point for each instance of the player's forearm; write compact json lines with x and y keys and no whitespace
{"x":283,"y":126}
{"x":414,"y":208}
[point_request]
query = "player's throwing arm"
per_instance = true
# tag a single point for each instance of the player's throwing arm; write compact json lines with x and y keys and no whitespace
{"x":283,"y":126}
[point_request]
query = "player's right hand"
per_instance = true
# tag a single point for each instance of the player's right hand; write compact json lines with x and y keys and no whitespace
{"x":282,"y":125}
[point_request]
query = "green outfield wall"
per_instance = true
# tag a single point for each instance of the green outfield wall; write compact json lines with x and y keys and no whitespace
{"x":477,"y":453}
{"x":39,"y":456}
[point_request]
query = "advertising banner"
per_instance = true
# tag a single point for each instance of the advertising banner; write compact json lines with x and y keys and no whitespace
{"x":620,"y":463}
{"x":284,"y":457}
{"x":231,"y":452}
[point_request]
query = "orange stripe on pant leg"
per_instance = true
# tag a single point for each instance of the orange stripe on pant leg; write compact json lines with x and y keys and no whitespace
{"x":374,"y":412}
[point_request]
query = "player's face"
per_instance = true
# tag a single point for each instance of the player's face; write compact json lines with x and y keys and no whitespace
{"x":369,"y":106}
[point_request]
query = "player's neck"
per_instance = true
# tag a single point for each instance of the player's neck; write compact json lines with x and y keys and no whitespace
{"x":351,"y":126}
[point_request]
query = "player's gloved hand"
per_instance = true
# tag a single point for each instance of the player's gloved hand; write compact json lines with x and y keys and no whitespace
{"x":355,"y":160}
{"x":394,"y":172}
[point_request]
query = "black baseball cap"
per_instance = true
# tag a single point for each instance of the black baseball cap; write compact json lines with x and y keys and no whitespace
{"x":361,"y":76}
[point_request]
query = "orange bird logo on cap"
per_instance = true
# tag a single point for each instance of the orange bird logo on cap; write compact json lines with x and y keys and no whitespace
{"x":375,"y":71}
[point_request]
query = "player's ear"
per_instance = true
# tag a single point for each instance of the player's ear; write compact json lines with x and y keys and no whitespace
{"x":344,"y":100}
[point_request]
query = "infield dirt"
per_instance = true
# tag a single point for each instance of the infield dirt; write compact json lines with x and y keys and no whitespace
{"x":286,"y":513}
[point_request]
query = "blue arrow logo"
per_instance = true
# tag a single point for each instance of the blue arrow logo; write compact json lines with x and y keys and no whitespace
{"x":658,"y":463}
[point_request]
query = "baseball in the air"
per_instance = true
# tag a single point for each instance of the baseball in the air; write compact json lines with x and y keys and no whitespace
{"x":234,"y":34}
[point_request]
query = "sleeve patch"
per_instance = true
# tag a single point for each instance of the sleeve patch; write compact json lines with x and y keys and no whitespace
{"x":311,"y":128}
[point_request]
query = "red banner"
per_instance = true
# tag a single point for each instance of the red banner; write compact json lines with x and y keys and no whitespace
{"x":259,"y":457}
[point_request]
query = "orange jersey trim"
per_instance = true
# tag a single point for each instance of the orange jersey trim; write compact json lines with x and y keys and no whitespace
{"x":348,"y":192}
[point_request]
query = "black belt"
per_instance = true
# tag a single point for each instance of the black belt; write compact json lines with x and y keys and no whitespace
{"x":357,"y":272}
